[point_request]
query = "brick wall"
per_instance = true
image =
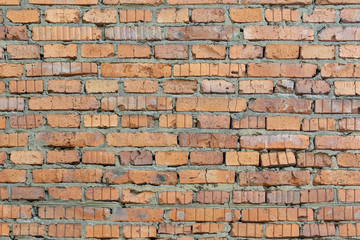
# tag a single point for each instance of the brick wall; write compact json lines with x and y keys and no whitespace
{"x":179,"y":119}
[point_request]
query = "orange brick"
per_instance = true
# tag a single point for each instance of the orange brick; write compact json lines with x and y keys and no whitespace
{"x":134,"y":50}
{"x":60,"y":51}
{"x":135,"y":15}
{"x":23,"y":15}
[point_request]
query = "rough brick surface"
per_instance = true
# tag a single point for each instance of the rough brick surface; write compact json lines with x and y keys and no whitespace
{"x":179,"y":119}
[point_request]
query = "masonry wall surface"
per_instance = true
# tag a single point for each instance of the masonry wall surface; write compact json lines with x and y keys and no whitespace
{"x":179,"y":119}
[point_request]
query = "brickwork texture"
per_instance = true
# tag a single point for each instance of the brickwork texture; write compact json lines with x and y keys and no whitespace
{"x":179,"y":119}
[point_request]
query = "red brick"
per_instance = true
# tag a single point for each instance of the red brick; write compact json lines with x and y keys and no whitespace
{"x":100,"y":16}
{"x":139,"y":231}
{"x":212,"y":197}
{"x":249,"y":122}
{"x":281,"y":105}
{"x":130,"y":196}
{"x":175,"y":197}
{"x":252,"y":197}
{"x":312,"y":87}
{"x":134,"y":50}
{"x":283,"y":123}
{"x":251,"y":230}
{"x":171,"y":158}
{"x":135,"y":70}
{"x":320,"y":15}
{"x":64,"y":86}
{"x":14,"y":139}
{"x":72,"y":212}
{"x":15,"y":211}
{"x":245,"y":15}
{"x":70,"y":139}
{"x":140,"y":86}
{"x":137,"y":121}
{"x":198,"y":215}
{"x":213,"y":121}
{"x":290,"y":230}
{"x":209,"y":69}
{"x":138,"y":215}
{"x":171,"y":51}
{"x":336,"y":177}
{"x":141,"y":177}
{"x":314,"y":160}
{"x":174,"y":229}
{"x":282,"y":51}
{"x":62,"y":230}
{"x":349,"y":15}
{"x":8,"y":70}
{"x":318,"y":124}
{"x":141,"y":139}
{"x":206,"y":158}
{"x":63,"y":103}
{"x":62,"y":15}
{"x":16,"y":33}
{"x":135,"y":15}
{"x":63,"y":121}
{"x":214,"y":33}
{"x":270,"y":178}
{"x":208,"y":51}
{"x":97,"y":50}
{"x":60,"y":51}
{"x":29,"y":229}
{"x":172,"y":15}
{"x":277,"y":214}
{"x":208,"y":227}
{"x":60,"y":69}
{"x":292,"y":70}
{"x":98,"y":157}
{"x":65,"y":193}
{"x":338,"y":213}
{"x":27,"y":157}
{"x":23,"y":51}
{"x":102,"y":231}
{"x":245,"y":51}
{"x":210,"y":104}
{"x":64,"y":175}
{"x":208,"y":15}
{"x":179,"y":86}
{"x":102,"y":193}
{"x":206,"y":176}
{"x":208,"y":140}
{"x":135,"y":158}
{"x":66,"y":33}
{"x":294,"y":33}
{"x":317,"y":52}
{"x":69,"y":157}
{"x":242,"y":158}
{"x":276,"y":2}
{"x":278,"y":159}
{"x":281,"y":14}
{"x":23,"y":15}
{"x":151,"y":33}
{"x":28,"y":193}
{"x":349,"y":229}
{"x":26,"y":121}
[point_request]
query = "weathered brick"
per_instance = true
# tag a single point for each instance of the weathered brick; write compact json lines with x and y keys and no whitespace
{"x":270,"y":178}
{"x":64,"y":86}
{"x":60,"y":51}
{"x":135,"y":15}
{"x":23,"y":15}
{"x":294,"y":33}
{"x":134,"y":51}
{"x":62,"y":15}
